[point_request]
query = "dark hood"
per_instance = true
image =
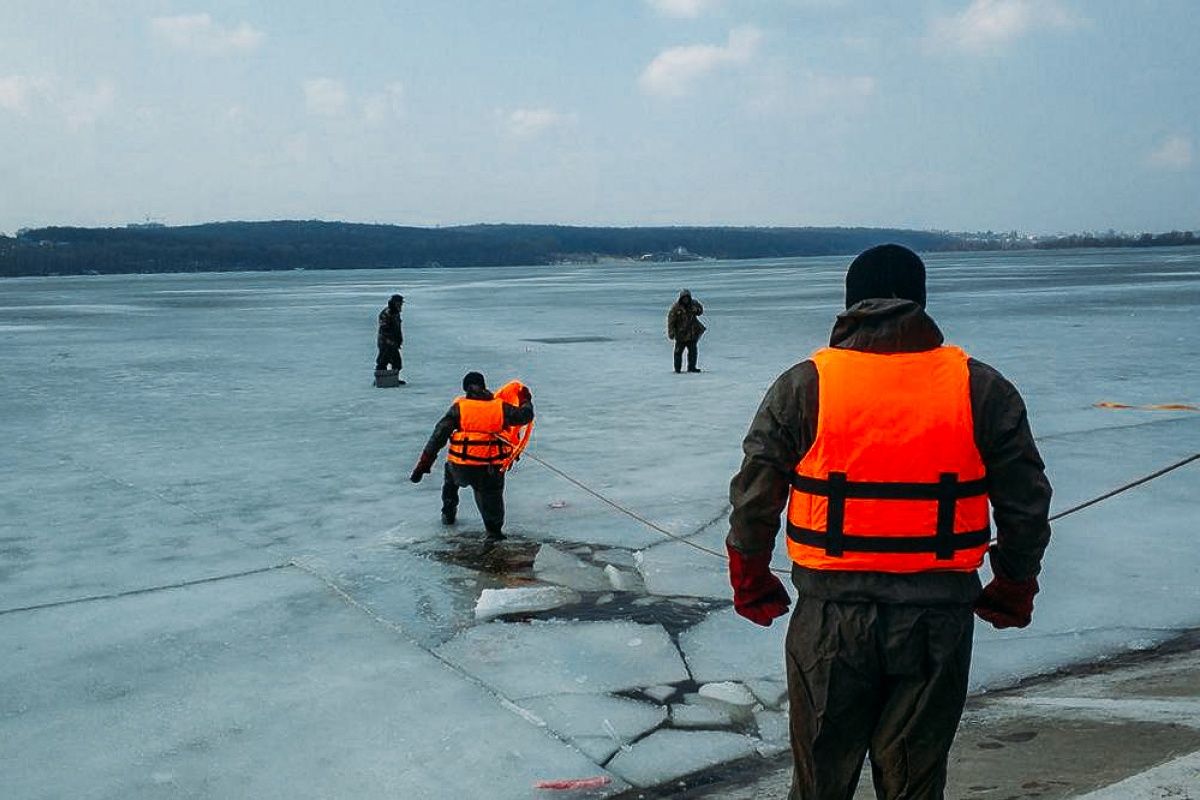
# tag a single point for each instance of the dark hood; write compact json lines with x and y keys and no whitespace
{"x":885,"y":325}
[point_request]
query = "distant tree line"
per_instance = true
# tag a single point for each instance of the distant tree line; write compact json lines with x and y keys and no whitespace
{"x":237,"y":246}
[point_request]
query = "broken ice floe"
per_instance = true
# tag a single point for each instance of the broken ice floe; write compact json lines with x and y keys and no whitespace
{"x":623,"y":581}
{"x":667,"y":754}
{"x":726,"y":647}
{"x":676,"y":569}
{"x":597,"y":724}
{"x":570,"y":658}
{"x":555,"y":566}
{"x":696,"y":714}
{"x":658,"y":693}
{"x":522,"y":599}
{"x":728,"y":692}
{"x":771,"y":694}
{"x":773,"y":731}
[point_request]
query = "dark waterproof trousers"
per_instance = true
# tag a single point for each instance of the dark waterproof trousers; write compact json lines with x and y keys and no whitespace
{"x":888,"y":680}
{"x":691,"y":354}
{"x":488,"y":486}
{"x":388,"y":354}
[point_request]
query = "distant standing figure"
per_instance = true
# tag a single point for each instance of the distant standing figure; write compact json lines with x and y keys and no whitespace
{"x":685,"y":329}
{"x":478,"y":452}
{"x":390,"y":336}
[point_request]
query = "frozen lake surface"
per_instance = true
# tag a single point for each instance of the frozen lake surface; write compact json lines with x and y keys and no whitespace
{"x":219,"y":435}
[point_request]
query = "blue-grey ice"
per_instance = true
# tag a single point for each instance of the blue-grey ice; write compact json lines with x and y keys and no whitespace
{"x":544,"y":658}
{"x":301,"y":625}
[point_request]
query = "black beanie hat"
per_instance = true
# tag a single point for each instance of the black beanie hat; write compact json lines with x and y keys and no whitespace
{"x":888,"y":270}
{"x":473,"y":379}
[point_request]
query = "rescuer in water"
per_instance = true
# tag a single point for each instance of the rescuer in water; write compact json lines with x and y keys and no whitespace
{"x":483,"y":432}
{"x":885,"y":448}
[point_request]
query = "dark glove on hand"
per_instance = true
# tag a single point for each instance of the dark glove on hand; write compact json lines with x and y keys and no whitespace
{"x":758,"y":595}
{"x":423,"y":467}
{"x":1006,"y":603}
{"x":524,"y":395}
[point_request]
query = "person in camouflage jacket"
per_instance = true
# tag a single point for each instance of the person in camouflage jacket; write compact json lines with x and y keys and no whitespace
{"x":685,"y":329}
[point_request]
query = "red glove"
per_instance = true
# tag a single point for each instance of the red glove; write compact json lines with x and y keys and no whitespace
{"x":758,"y":595}
{"x":1006,"y":603}
{"x":423,"y":467}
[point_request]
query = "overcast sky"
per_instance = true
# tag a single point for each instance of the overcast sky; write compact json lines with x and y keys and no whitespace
{"x":1037,"y":115}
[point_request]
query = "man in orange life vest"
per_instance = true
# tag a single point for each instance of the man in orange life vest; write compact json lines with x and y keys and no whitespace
{"x":473,"y":460}
{"x":885,"y":448}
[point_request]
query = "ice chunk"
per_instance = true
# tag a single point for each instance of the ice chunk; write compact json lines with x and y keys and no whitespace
{"x":774,"y":732}
{"x":597,"y":748}
{"x":668,"y":754}
{"x":726,"y":647}
{"x":701,"y":715}
{"x":771,"y":694}
{"x":621,"y":558}
{"x":728,"y":692}
{"x":588,"y":716}
{"x":554,"y":566}
{"x":676,"y":569}
{"x":522,"y":599}
{"x":623,"y":581}
{"x":544,"y":658}
{"x":659,"y":693}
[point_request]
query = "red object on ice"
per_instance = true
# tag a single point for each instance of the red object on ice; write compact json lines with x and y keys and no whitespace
{"x":574,"y":783}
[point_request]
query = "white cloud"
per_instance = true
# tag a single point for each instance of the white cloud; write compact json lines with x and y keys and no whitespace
{"x":813,"y":93}
{"x":198,"y":33}
{"x":381,"y":105}
{"x":82,"y":107}
{"x":1174,"y":153}
{"x":78,"y":106}
{"x":689,"y":9}
{"x":325,"y":97}
{"x":674,"y":71}
{"x":525,"y":122}
{"x":987,"y":25}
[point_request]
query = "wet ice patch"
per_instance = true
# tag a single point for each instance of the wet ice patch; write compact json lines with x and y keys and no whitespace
{"x":570,"y":658}
{"x":522,"y":599}
{"x":668,"y":754}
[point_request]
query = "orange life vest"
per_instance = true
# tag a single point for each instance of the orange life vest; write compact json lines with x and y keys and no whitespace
{"x":893,"y":481}
{"x":478,"y":440}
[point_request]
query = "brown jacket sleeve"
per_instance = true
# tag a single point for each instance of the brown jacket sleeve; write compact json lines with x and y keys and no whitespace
{"x":1017,"y":485}
{"x":779,"y":436}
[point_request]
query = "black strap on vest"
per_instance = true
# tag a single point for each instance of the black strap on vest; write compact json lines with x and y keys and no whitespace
{"x":503,"y":448}
{"x":834,"y":539}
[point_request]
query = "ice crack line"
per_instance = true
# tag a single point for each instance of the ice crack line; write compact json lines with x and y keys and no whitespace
{"x":146,"y":589}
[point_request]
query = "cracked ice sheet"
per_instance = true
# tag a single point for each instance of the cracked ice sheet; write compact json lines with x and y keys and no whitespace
{"x":668,"y":754}
{"x":726,"y":647}
{"x":570,"y":658}
{"x":596,"y":723}
{"x":264,"y":687}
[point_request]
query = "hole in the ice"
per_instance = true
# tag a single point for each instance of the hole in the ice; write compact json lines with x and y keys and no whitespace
{"x":568,"y":339}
